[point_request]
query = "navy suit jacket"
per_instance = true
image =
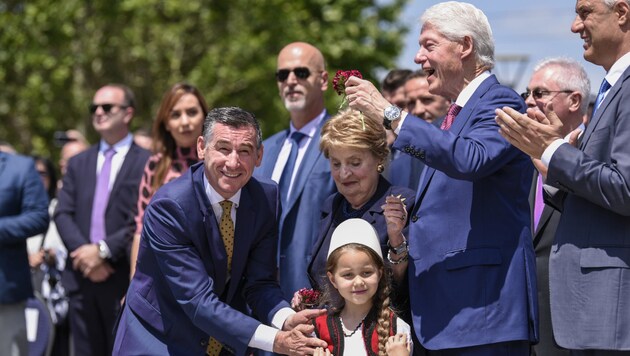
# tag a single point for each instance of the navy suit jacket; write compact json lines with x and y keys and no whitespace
{"x":23,"y":213}
{"x":472,"y":271}
{"x":179,"y":291}
{"x":299,"y":221}
{"x":590,"y":257}
{"x":73,"y":214}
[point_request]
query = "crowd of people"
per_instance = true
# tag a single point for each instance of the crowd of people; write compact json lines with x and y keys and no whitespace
{"x":439,"y":214}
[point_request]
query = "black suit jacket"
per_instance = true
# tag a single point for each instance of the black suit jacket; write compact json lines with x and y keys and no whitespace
{"x":74,"y":212}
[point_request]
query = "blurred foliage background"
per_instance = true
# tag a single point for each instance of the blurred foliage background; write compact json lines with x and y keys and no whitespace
{"x":55,"y":54}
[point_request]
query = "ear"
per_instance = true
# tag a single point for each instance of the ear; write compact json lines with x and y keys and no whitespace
{"x":331,"y":278}
{"x":128,"y":115}
{"x":324,"y":80}
{"x":201,"y":147}
{"x":622,"y":9}
{"x":467,"y":46}
{"x":575,"y":101}
{"x":260,"y":155}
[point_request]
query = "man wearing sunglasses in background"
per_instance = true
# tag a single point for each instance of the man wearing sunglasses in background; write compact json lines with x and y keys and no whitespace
{"x":564,"y":84}
{"x":94,"y":217}
{"x":292,"y":158}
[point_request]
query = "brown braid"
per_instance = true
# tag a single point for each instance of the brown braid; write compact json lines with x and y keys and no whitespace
{"x":384,"y":319}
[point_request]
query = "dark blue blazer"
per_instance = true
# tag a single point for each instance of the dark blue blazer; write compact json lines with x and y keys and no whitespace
{"x":73,"y":214}
{"x":180,"y":292}
{"x":23,"y":213}
{"x":472,"y":269}
{"x":299,"y":221}
{"x":374,"y":215}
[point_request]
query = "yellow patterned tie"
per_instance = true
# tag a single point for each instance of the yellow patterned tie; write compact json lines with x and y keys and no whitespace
{"x":226,"y":228}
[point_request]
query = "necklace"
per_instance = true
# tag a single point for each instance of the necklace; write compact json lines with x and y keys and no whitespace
{"x":343,"y":327}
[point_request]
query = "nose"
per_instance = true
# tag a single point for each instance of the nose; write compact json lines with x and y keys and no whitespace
{"x":418,"y":109}
{"x":345,"y":172}
{"x":359,"y":282}
{"x":420,"y":57}
{"x":530,"y":101}
{"x":292,"y":78}
{"x":232,"y":160}
{"x":577,"y":24}
{"x":185,"y":119}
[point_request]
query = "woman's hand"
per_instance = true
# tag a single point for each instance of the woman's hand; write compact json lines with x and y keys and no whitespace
{"x":322,"y":352}
{"x":398,"y":345}
{"x":395,"y":214}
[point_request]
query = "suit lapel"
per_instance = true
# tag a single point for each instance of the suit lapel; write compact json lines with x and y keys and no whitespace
{"x":89,"y":173}
{"x":306,"y":166}
{"x":592,"y":124}
{"x":272,"y":150}
{"x":243,"y":236}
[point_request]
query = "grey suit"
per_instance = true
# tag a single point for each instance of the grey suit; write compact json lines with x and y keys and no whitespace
{"x":590,"y":260}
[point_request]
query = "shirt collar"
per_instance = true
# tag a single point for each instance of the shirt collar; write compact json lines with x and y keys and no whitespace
{"x":310,"y":128}
{"x":617,"y":69}
{"x":121,"y":147}
{"x":470,"y":89}
{"x":215,"y":198}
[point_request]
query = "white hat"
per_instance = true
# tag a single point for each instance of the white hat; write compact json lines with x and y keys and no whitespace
{"x":356,"y":231}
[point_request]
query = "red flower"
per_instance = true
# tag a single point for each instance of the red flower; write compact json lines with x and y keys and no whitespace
{"x":309,"y":296}
{"x":339,"y":81}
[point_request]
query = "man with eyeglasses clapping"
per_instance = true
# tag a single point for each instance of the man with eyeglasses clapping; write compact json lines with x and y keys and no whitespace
{"x":94,"y":217}
{"x":292,"y":159}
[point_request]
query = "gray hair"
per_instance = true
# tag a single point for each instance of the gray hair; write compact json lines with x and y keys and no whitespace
{"x":232,"y":117}
{"x":456,"y":20}
{"x":569,"y":75}
{"x":611,"y":3}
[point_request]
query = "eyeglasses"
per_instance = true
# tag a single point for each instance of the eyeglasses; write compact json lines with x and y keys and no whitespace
{"x":300,"y":72}
{"x":106,"y":107}
{"x":539,"y":93}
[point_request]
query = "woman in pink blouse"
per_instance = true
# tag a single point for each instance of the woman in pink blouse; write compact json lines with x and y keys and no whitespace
{"x":178,"y":123}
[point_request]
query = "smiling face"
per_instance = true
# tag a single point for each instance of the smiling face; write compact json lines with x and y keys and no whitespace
{"x":230,"y":157}
{"x":112,"y":125}
{"x":423,"y":104}
{"x":355,"y":174}
{"x":356,"y":277}
{"x":441,"y":59}
{"x":598,"y":26}
{"x":185,"y":121}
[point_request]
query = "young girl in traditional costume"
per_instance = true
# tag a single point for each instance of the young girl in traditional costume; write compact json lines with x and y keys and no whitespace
{"x":360,"y":321}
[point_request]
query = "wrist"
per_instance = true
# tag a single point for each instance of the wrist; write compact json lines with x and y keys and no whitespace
{"x":399,"y":248}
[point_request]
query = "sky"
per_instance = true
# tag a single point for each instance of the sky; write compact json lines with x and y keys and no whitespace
{"x":535,"y":29}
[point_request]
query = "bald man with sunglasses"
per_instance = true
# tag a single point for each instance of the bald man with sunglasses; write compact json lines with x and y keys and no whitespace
{"x":292,"y":159}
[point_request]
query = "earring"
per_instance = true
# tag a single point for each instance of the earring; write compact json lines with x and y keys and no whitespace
{"x":380,"y":168}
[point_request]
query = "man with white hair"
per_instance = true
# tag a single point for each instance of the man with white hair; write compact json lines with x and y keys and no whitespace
{"x":561,"y":83}
{"x":470,"y":260}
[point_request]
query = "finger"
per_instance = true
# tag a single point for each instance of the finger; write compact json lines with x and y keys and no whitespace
{"x":312,"y":313}
{"x":573,"y":138}
{"x":305,"y":329}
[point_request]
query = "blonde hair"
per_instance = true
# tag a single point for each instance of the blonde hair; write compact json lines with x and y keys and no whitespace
{"x":346,"y":130}
{"x":380,"y":301}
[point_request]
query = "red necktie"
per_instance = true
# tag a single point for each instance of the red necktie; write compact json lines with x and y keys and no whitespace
{"x":450,"y":116}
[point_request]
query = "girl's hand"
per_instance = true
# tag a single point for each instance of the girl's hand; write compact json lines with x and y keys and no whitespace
{"x":296,"y":302}
{"x":397,"y":345}
{"x":322,"y":352}
{"x":395,"y":214}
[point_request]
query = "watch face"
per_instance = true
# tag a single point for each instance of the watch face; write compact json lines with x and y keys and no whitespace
{"x":392,"y":113}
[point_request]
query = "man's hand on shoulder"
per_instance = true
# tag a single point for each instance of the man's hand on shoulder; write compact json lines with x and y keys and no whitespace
{"x":295,"y":342}
{"x":302,"y":317}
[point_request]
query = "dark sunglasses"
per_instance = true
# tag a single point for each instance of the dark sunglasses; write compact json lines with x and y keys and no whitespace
{"x":300,"y":72}
{"x":539,"y":93}
{"x":106,"y":107}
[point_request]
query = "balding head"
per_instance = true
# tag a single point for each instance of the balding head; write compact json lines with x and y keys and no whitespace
{"x":302,"y":91}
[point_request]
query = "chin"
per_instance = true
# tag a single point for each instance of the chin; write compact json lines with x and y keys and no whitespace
{"x":294,"y":105}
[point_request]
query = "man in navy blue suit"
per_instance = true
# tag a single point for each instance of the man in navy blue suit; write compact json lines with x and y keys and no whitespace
{"x":23,"y":213}
{"x":298,"y":166}
{"x":94,"y":217}
{"x":196,"y":278}
{"x":471,"y":265}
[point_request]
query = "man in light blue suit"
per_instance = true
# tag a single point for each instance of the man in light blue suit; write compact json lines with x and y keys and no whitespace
{"x":470,"y":260}
{"x":203,"y":262}
{"x":23,"y":213}
{"x":301,"y":170}
{"x":589,"y":266}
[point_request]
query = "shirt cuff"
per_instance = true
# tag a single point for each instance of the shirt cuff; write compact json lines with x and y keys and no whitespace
{"x":263,"y":338}
{"x":550,"y":150}
{"x":403,"y":116}
{"x":281,"y":316}
{"x":102,"y":245}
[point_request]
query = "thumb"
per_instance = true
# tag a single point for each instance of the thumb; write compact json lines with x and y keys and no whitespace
{"x":551,"y":115}
{"x":573,"y":137}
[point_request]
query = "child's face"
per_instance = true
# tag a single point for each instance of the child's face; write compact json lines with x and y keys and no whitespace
{"x":356,"y":277}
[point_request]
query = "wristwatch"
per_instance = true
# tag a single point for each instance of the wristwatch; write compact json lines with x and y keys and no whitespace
{"x":403,"y":247}
{"x":103,"y":250}
{"x":390,"y":114}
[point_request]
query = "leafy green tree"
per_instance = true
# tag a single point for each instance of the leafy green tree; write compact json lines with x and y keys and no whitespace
{"x":55,"y":54}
